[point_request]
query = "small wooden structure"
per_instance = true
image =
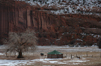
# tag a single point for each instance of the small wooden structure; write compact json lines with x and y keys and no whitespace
{"x":54,"y":54}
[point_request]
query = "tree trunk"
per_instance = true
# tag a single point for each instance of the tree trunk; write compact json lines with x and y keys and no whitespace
{"x":20,"y":54}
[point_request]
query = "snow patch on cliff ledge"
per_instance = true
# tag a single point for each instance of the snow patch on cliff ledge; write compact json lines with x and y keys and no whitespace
{"x":69,"y":6}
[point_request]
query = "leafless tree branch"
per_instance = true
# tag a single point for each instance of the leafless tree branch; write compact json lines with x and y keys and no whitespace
{"x":21,"y":41}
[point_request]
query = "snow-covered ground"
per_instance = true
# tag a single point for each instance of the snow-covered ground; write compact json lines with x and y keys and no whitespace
{"x":66,"y":48}
{"x":50,"y":61}
{"x":13,"y":62}
{"x":67,"y":60}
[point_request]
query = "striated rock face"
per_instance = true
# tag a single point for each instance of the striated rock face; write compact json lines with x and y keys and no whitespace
{"x":51,"y":29}
{"x":13,"y":17}
{"x":4,"y":22}
{"x":67,"y":29}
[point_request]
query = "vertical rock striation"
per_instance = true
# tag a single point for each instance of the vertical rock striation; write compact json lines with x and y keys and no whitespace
{"x":13,"y":17}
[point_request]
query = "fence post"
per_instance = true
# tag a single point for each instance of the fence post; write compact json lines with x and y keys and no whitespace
{"x":71,"y":56}
{"x":86,"y":54}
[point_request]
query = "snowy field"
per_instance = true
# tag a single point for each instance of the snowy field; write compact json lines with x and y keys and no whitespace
{"x":29,"y":62}
{"x":39,"y":60}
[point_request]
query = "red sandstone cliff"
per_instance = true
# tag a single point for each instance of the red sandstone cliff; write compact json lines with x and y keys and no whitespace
{"x":13,"y":16}
{"x":50,"y":29}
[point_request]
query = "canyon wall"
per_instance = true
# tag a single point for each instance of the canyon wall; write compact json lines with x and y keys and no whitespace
{"x":51,"y":29}
{"x":13,"y":17}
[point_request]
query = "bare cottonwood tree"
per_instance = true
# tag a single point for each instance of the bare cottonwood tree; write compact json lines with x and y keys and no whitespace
{"x":21,"y":42}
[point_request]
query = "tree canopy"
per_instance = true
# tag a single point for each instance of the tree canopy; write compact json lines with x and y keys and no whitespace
{"x":21,"y":41}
